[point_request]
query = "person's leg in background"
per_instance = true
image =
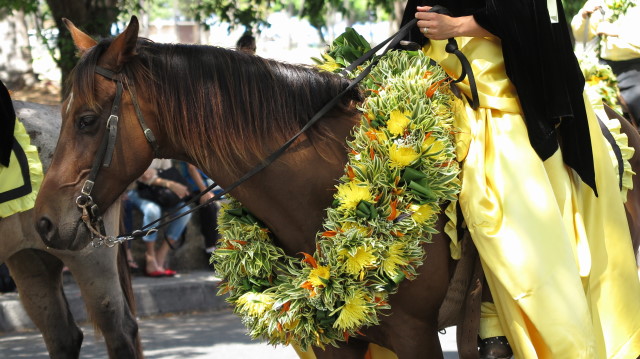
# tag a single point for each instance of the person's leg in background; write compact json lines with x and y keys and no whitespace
{"x":150,"y":213}
{"x":172,"y":232}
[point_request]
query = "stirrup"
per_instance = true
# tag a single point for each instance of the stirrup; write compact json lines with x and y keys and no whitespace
{"x":495,"y":348}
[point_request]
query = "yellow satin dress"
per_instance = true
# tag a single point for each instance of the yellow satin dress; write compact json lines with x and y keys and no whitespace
{"x":558,"y":260}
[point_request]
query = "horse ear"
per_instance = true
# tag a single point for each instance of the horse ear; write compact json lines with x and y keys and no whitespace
{"x":82,"y":41}
{"x":123,"y":46}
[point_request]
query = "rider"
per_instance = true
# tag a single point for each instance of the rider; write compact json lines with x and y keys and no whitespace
{"x":617,"y":25}
{"x":539,"y":194}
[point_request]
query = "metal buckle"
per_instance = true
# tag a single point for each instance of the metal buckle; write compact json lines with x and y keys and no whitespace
{"x":149,"y":135}
{"x":87,"y":187}
{"x":114,"y":117}
{"x":83,"y":201}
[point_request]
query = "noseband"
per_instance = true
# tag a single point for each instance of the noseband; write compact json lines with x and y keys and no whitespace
{"x":90,"y":212}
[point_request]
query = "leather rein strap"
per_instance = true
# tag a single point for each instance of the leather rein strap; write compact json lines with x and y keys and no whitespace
{"x":91,"y":215}
{"x":452,"y":48}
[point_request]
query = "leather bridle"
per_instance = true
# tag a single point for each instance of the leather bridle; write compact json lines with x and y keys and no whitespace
{"x":90,"y":212}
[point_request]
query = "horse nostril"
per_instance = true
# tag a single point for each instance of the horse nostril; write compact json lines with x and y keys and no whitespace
{"x":45,"y":228}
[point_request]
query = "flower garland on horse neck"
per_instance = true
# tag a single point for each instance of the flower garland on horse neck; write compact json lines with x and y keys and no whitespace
{"x":401,"y":167}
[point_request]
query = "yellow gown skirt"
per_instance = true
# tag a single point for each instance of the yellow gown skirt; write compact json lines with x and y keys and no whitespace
{"x":558,"y":260}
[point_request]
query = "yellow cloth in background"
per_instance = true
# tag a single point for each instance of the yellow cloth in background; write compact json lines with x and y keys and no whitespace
{"x":625,"y":46}
{"x":11,"y":177}
{"x":558,"y":259}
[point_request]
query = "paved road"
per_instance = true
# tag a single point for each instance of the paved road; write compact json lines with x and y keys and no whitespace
{"x":218,"y":334}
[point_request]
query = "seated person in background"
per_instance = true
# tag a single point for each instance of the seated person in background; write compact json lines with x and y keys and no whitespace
{"x":198,"y":182}
{"x":156,"y":265}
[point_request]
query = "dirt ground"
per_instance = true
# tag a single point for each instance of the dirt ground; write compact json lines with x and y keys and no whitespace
{"x":46,"y":92}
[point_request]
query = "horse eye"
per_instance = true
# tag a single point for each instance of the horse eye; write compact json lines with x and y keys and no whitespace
{"x":86,"y":121}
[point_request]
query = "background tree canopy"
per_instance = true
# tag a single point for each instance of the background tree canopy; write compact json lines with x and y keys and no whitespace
{"x":98,"y":17}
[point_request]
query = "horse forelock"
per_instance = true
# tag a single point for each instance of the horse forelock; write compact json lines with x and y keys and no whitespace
{"x":238,"y":106}
{"x":81,"y":79}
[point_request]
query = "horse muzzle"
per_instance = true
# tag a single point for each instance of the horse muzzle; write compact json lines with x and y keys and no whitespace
{"x":66,"y":237}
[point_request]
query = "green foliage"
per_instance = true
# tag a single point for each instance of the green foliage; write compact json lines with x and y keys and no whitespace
{"x":28,"y":6}
{"x":344,"y":50}
{"x":571,"y":8}
{"x":247,"y":13}
{"x":253,"y":13}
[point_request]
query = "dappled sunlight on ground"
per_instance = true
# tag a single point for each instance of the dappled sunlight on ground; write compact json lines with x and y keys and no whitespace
{"x":45,"y":92}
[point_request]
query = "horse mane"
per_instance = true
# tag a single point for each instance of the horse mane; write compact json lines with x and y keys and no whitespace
{"x":212,"y":99}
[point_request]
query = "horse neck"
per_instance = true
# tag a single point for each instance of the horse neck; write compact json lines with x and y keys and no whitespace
{"x":291,"y":195}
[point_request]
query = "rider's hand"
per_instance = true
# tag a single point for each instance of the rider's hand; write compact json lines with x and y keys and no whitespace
{"x":587,"y":12}
{"x":178,"y":188}
{"x":441,"y":27}
{"x":438,"y":26}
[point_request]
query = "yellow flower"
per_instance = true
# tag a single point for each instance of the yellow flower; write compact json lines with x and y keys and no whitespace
{"x":255,"y":304}
{"x":402,"y":156}
{"x":353,"y":313}
{"x":398,"y":122}
{"x":319,"y":276}
{"x":361,"y":258}
{"x":382,"y":137}
{"x":350,"y":194}
{"x":393,"y":259}
{"x":422,"y":213}
{"x":330,"y":65}
{"x":436,"y":145}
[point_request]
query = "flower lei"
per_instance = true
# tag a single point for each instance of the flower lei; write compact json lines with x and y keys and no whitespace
{"x":401,"y":168}
{"x":600,"y":79}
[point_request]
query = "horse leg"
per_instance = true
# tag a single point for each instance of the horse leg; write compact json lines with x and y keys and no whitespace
{"x":96,"y":272}
{"x":38,"y":276}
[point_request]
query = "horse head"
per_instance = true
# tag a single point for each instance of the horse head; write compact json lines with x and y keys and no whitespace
{"x":101,"y":148}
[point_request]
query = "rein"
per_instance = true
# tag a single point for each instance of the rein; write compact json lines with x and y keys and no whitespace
{"x":100,"y":239}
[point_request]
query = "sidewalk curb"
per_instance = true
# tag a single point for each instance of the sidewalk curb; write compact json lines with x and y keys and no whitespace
{"x":186,"y":292}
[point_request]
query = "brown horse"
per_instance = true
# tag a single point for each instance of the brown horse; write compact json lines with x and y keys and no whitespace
{"x":224,"y":111}
{"x":103,"y":276}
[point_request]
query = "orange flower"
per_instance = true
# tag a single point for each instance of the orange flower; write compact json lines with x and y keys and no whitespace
{"x":350,"y":172}
{"x":433,"y":88}
{"x":309,"y":259}
{"x":394,"y":212}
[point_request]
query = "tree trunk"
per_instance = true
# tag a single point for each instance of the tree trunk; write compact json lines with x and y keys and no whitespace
{"x":398,"y":7}
{"x":16,"y":63}
{"x":93,"y":17}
